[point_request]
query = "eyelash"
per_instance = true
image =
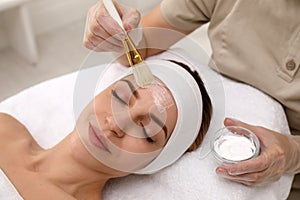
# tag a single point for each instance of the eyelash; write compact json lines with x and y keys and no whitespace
{"x":115,"y":94}
{"x":149,"y":139}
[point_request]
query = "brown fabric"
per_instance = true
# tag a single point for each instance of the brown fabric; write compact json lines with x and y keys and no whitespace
{"x":294,"y":194}
{"x":295,"y":191}
{"x":296,"y":182}
{"x":256,"y":42}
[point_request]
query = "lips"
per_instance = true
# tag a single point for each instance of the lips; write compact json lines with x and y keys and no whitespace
{"x":97,"y":139}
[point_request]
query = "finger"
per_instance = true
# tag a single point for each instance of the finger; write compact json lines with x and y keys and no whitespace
{"x":101,"y":30}
{"x":247,"y":183}
{"x":257,"y":130}
{"x":98,"y":30}
{"x":102,"y":47}
{"x":234,"y":122}
{"x":246,"y":177}
{"x":88,"y":45}
{"x":260,"y":177}
{"x":98,"y":40}
{"x":255,"y":179}
{"x":243,"y":180}
{"x":131,"y":20}
{"x":109,"y":24}
{"x":130,"y":16}
{"x":96,"y":37}
{"x":237,"y":178}
{"x":109,"y":49}
{"x":257,"y":164}
{"x":251,"y":177}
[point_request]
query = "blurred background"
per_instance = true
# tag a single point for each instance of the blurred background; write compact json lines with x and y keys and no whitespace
{"x":42,"y":39}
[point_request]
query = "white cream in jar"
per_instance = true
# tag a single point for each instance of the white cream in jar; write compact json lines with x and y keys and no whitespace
{"x":231,"y":147}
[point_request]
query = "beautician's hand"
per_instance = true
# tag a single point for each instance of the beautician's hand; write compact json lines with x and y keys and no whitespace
{"x":100,"y":26}
{"x":279,"y":154}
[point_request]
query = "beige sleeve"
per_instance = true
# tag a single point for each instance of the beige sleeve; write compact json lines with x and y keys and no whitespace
{"x":187,"y":15}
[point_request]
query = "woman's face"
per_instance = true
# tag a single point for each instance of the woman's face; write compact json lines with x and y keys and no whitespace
{"x":125,"y":127}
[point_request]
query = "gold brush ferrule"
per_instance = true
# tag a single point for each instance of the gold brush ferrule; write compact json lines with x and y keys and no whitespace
{"x":133,"y":55}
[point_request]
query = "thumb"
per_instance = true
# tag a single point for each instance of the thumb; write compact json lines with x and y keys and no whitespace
{"x":259,"y":132}
{"x":131,"y":17}
{"x":235,"y":122}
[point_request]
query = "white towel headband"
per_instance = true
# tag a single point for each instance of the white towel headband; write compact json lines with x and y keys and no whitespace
{"x":187,"y":95}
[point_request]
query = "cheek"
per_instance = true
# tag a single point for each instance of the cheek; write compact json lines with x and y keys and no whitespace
{"x":102,"y":103}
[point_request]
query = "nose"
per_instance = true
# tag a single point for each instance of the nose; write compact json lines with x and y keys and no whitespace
{"x":128,"y":122}
{"x":117,"y":131}
{"x":141,"y":109}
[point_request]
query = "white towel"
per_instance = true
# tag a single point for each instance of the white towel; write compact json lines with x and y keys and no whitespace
{"x":47,"y":111}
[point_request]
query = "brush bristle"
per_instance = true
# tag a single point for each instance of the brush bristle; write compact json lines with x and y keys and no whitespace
{"x":143,"y":75}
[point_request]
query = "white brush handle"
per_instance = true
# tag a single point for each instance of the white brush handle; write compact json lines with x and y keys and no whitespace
{"x":112,"y":11}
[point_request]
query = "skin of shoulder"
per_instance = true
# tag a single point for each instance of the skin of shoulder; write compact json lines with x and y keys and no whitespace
{"x":17,"y":146}
{"x":9,"y":126}
{"x":13,"y":133}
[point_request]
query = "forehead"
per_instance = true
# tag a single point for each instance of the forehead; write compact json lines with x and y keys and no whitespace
{"x":132,"y":80}
{"x":158,"y":90}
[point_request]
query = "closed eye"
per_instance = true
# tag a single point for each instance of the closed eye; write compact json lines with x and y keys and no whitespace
{"x":148,"y":138}
{"x":115,"y":94}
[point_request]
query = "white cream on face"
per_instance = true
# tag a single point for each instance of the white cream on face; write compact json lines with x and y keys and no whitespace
{"x":234,"y":147}
{"x":160,"y":96}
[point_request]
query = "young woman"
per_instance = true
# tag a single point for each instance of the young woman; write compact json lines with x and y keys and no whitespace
{"x":124,"y":129}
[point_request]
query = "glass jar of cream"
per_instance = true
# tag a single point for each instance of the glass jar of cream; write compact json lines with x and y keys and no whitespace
{"x":234,"y":144}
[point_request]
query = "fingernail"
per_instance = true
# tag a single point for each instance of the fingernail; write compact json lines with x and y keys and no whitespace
{"x":121,"y":36}
{"x":232,"y":172}
{"x":221,"y":171}
{"x":233,"y":119}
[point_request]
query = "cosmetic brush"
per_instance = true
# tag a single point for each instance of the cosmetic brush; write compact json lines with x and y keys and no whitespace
{"x":142,"y":73}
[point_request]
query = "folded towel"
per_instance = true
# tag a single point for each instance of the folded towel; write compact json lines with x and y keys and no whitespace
{"x":47,"y":111}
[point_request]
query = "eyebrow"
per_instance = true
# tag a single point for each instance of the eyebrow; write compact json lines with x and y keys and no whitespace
{"x":132,"y":88}
{"x":155,"y":118}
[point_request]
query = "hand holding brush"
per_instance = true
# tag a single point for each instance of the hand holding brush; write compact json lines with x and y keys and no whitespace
{"x":141,"y":71}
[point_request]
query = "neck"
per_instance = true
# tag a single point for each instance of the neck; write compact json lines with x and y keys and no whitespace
{"x":58,"y":166}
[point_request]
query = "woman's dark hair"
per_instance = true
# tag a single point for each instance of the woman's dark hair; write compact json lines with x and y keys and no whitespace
{"x":207,"y":107}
